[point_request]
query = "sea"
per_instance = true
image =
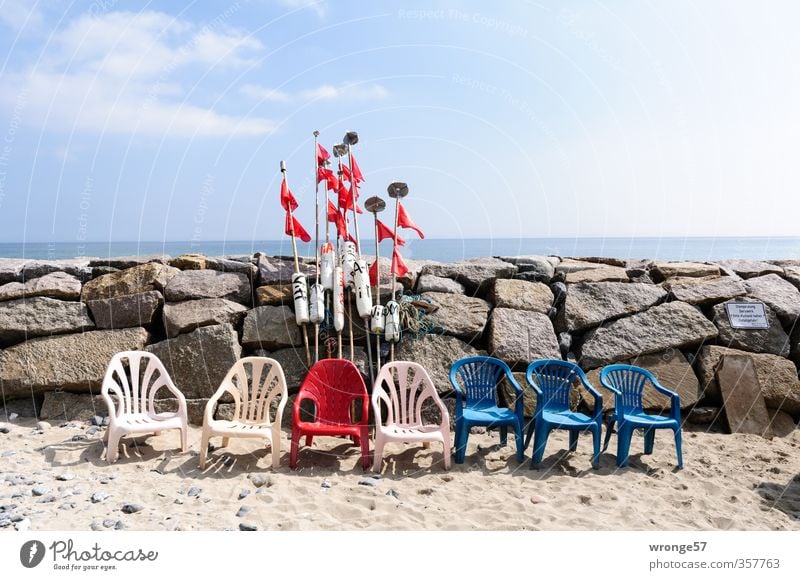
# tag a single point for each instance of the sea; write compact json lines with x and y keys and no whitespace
{"x":444,"y":250}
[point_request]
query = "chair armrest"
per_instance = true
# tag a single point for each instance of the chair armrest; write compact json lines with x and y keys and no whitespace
{"x":598,"y":397}
{"x":675,"y":399}
{"x":208,"y":414}
{"x":108,"y":388}
{"x":302,"y":396}
{"x":364,"y":408}
{"x":519,"y":404}
{"x":459,"y":393}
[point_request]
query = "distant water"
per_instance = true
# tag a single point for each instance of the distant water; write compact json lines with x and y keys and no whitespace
{"x":445,"y":250}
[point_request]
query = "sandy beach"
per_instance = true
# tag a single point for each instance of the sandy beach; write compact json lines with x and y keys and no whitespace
{"x":57,"y":479}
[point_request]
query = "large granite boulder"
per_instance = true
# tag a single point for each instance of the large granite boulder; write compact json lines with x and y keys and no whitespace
{"x":571,"y":265}
{"x":270,"y":328}
{"x":74,"y":362}
{"x":274,"y":295}
{"x":126,"y":311}
{"x":134,"y":280}
{"x":662,"y":327}
{"x":671,"y":369}
{"x":199,"y":360}
{"x":125,"y":262}
{"x":750,"y":268}
{"x":520,"y":336}
{"x":664,"y":270}
{"x":194,"y":284}
{"x":11,"y":270}
{"x":278,"y":271}
{"x":436,"y":354}
{"x":78,"y":267}
{"x":64,"y":406}
{"x":535,"y":268}
{"x":475,"y":274}
{"x":240,"y":266}
{"x":59,"y":285}
{"x":32,"y":317}
{"x":777,"y":377}
{"x":189,"y":262}
{"x":182,"y":317}
{"x":429,"y":283}
{"x":705,"y":291}
{"x":792,"y":274}
{"x":771,"y":340}
{"x":601,"y":274}
{"x":459,"y":315}
{"x":779,"y":294}
{"x":588,"y":305}
{"x":522,"y":295}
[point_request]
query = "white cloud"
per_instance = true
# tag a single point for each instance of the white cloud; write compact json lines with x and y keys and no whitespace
{"x":121,"y":73}
{"x":345,"y":91}
{"x":19,"y":14}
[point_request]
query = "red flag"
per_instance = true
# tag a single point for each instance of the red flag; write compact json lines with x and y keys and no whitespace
{"x":288,"y":201}
{"x":356,"y":169}
{"x":326,"y":175}
{"x":346,"y":199}
{"x":384,"y":233}
{"x":294,"y":226}
{"x":332,"y":212}
{"x":373,"y":274}
{"x":403,"y":221}
{"x":346,"y":172}
{"x":398,"y":266}
{"x":322,"y":154}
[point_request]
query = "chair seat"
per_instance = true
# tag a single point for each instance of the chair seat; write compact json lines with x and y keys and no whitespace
{"x":329,"y":429}
{"x":241,"y":429}
{"x":412,"y":432}
{"x":645,"y":420}
{"x":568,"y":418}
{"x":143,"y":423}
{"x":489,"y":415}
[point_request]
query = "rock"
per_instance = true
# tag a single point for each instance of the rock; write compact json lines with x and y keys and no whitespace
{"x":63,"y":406}
{"x":75,"y":362}
{"x":67,"y":476}
{"x":781,"y":423}
{"x":564,"y":343}
{"x":243,"y":511}
{"x":393,"y":493}
{"x":664,"y":270}
{"x":369,"y":482}
{"x":99,"y":496}
{"x":274,"y":295}
{"x":11,"y":270}
{"x":429,"y":283}
{"x":4,"y":430}
{"x":559,"y":290}
{"x":704,"y":291}
{"x":476,"y":274}
{"x":769,"y":340}
{"x":78,"y":267}
{"x":662,"y":327}
{"x":776,"y":375}
{"x":189,"y":262}
{"x":437,"y":354}
{"x":132,"y":508}
{"x":192,"y":284}
{"x":59,"y":285}
{"x":602,"y":274}
{"x":260,"y":479}
{"x":248,"y":527}
{"x":779,"y":294}
{"x":241,"y":266}
{"x":459,"y":315}
{"x":97,"y":420}
{"x":522,"y":295}
{"x":109,"y":523}
{"x":194,"y":491}
{"x":520,"y":336}
{"x":671,"y":369}
{"x":31,"y":317}
{"x":43,"y":426}
{"x":243,"y":493}
{"x":125,"y":262}
{"x":181,"y":317}
{"x":277,"y":271}
{"x":98,"y":271}
{"x":589,"y":305}
{"x":703,"y":415}
{"x":38,"y":490}
{"x":23,"y":525}
{"x":570,"y":266}
{"x":536,"y":268}
{"x":135,"y":280}
{"x":742,"y":397}
{"x":270,"y":327}
{"x":126,"y":311}
{"x":750,"y":268}
{"x":199,"y":360}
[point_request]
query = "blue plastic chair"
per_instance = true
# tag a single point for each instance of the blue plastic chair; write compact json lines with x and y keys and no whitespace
{"x":552,"y":380}
{"x":475,"y":381}
{"x":627,"y":382}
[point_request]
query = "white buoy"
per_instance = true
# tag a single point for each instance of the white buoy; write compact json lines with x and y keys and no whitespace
{"x":348,"y":261}
{"x":362,"y":288}
{"x":300,"y":294}
{"x":378,"y":319}
{"x":338,"y":299}
{"x":316,"y":303}
{"x":392,"y":329}
{"x":327,"y":264}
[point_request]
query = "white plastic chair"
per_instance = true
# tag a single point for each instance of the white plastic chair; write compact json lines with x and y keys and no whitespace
{"x":403,"y":388}
{"x":130,"y":394}
{"x":254,"y":382}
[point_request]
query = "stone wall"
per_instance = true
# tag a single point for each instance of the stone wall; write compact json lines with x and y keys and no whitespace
{"x":61,"y":321}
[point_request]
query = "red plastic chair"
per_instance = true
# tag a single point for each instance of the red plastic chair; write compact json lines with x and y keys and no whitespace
{"x":332,"y":385}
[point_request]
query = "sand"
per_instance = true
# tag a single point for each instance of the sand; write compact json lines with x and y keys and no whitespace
{"x":730,"y":482}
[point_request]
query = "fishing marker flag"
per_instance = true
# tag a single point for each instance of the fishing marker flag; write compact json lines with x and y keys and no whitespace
{"x":356,"y":170}
{"x":293,"y":227}
{"x":384,"y":233}
{"x":403,"y":221}
{"x":373,"y":274}
{"x":288,"y":202}
{"x":322,"y":154}
{"x":398,"y":266}
{"x":326,"y":175}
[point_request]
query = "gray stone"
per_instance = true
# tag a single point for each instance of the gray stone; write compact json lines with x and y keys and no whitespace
{"x":522,"y":295}
{"x":39,"y":490}
{"x":237,"y":266}
{"x":589,"y":305}
{"x":436,"y":354}
{"x":476,"y":274}
{"x":275,"y":295}
{"x":779,"y":294}
{"x":278,"y":271}
{"x":98,"y":271}
{"x":99,"y":496}
{"x":43,"y":425}
{"x":132,"y":508}
{"x":194,"y":491}
{"x":781,"y":423}
{"x":776,"y":375}
{"x":135,"y":280}
{"x":458,"y":315}
{"x":703,"y":415}
{"x":63,"y":406}
{"x":11,"y":270}
{"x":792,"y":275}
{"x":59,"y":285}
{"x":742,"y":398}
{"x":520,"y":336}
{"x":270,"y":327}
{"x":189,"y":262}
{"x":260,"y":479}
{"x":126,"y":311}
{"x":559,"y":290}
{"x":199,"y":360}
{"x":67,"y":476}
{"x":570,"y":266}
{"x":248,"y":527}
{"x":704,"y":291}
{"x":193,"y":284}
{"x":535,"y":268}
{"x":181,"y":317}
{"x":430,"y":283}
{"x":243,"y":511}
{"x":31,"y":317}
{"x":75,"y":362}
{"x":564,"y":343}
{"x":662,"y":327}
{"x":78,"y":267}
{"x":769,"y":340}
{"x":601,"y":274}
{"x":125,"y":262}
{"x":750,"y":268}
{"x":664,"y":270}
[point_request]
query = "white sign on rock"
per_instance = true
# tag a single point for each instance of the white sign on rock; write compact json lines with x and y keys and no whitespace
{"x":747,"y":315}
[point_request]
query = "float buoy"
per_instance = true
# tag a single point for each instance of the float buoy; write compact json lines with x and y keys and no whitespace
{"x":362,"y":288}
{"x":300,"y":294}
{"x":326,"y":265}
{"x":392,"y":328}
{"x":316,"y":303}
{"x":338,"y":299}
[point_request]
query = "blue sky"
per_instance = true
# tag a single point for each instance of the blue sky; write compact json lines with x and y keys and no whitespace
{"x":148,"y":121}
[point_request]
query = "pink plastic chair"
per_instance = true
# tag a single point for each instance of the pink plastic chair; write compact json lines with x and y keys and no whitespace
{"x":401,"y":389}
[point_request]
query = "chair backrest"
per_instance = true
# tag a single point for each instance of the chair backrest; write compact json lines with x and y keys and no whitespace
{"x":628,"y":382}
{"x":133,"y":378}
{"x":334,"y":384}
{"x":255,"y":383}
{"x":403,"y":387}
{"x":555,"y":379}
{"x":477,"y":378}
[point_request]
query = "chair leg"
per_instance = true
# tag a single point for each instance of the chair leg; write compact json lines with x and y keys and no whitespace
{"x":364,"y":437}
{"x":446,"y":448}
{"x":461,"y":443}
{"x":609,"y":430}
{"x":519,"y":440}
{"x":503,"y":435}
{"x":226,"y":441}
{"x":184,"y":438}
{"x":539,"y":443}
{"x":573,"y":440}
{"x":596,"y":432}
{"x":377,"y":459}
{"x":649,"y":441}
{"x":624,"y":434}
{"x":529,"y":434}
{"x":309,"y":440}
{"x":204,"y":448}
{"x":679,"y":447}
{"x":294,"y":449}
{"x":112,"y":451}
{"x":276,"y":453}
